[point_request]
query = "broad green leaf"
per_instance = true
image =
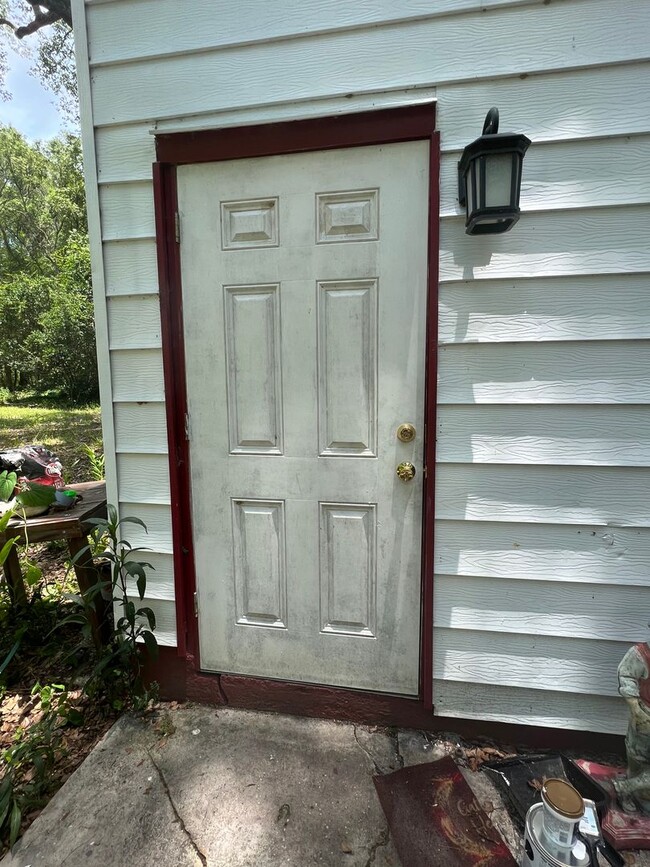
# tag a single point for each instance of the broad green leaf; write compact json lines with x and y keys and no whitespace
{"x":5,"y":550}
{"x":14,"y":823}
{"x":151,"y":644}
{"x":33,"y":574}
{"x":148,"y":613}
{"x":135,"y":521}
{"x":7,"y":485}
{"x":4,"y":520}
{"x":133,"y":567}
{"x":36,"y":495}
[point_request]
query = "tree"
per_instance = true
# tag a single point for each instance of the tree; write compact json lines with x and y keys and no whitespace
{"x":46,"y":315}
{"x":54,"y":64}
{"x":41,"y":201}
{"x":65,"y":339}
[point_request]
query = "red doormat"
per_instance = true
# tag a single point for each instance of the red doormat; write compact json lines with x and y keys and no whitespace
{"x":436,"y":821}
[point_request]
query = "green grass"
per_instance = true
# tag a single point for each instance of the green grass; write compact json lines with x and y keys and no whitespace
{"x":63,"y":430}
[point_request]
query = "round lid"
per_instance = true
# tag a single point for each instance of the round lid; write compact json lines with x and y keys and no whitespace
{"x":563,"y":798}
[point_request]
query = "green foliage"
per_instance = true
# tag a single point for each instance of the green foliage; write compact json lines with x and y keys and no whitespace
{"x":118,"y":672}
{"x":7,"y":485}
{"x":32,"y":494}
{"x":66,"y":335}
{"x":28,"y":762}
{"x":46,"y":309}
{"x":96,"y":462}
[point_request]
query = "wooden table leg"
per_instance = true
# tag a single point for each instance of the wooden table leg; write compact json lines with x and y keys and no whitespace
{"x":14,"y":578}
{"x":87,"y":576}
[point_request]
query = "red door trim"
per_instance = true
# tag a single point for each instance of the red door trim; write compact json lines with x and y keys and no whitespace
{"x":353,"y":130}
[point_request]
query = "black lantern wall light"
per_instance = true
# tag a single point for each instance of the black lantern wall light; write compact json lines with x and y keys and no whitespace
{"x":489,"y":178}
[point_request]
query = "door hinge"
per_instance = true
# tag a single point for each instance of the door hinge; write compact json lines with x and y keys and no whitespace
{"x":177,"y":227}
{"x":187,"y":426}
{"x":196,"y":604}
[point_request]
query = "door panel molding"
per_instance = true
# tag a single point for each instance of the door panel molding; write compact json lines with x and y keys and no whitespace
{"x":411,"y":123}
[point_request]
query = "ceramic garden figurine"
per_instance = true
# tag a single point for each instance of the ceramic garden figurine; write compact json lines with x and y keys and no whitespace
{"x":634,"y":685}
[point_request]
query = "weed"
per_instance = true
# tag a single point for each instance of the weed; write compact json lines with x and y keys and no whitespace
{"x":165,"y":726}
{"x":28,"y":761}
{"x":118,"y":670}
{"x":96,"y":462}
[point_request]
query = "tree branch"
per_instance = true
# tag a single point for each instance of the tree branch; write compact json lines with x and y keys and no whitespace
{"x":46,"y":12}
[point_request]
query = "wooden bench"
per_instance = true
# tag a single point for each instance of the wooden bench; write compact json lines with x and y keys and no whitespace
{"x":73,"y":526}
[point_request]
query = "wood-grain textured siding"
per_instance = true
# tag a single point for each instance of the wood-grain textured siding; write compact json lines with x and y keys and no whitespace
{"x":543,"y":530}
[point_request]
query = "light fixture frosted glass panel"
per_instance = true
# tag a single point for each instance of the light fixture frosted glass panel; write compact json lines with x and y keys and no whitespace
{"x":498,"y":180}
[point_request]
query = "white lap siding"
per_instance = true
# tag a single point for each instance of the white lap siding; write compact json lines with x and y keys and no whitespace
{"x":543,"y":516}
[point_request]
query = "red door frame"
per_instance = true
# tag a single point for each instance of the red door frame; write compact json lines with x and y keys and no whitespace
{"x":410,"y":123}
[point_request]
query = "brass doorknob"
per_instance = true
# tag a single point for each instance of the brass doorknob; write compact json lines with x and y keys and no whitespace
{"x":406,"y":471}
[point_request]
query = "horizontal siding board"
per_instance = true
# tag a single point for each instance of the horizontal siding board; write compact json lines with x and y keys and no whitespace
{"x":137,"y":142}
{"x":591,"y":554}
{"x":124,"y":153}
{"x":600,"y":307}
{"x":528,"y":661}
{"x":134,"y":322}
{"x":577,"y":174}
{"x":545,"y":244}
{"x":130,"y":267}
{"x":127,"y":211}
{"x":614,"y":372}
{"x":160,"y":26}
{"x":158,"y":520}
{"x":530,"y":707}
{"x":542,"y":608}
{"x":557,"y":36}
{"x":137,"y":375}
{"x":160,"y":579}
{"x":573,"y":104}
{"x":553,"y":495}
{"x":140,"y":427}
{"x":544,"y":435}
{"x":143,"y":478}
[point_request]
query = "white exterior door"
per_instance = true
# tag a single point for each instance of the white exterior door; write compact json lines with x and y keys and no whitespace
{"x":304,"y":292}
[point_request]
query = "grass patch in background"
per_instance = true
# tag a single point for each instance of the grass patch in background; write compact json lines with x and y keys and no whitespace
{"x":63,"y":430}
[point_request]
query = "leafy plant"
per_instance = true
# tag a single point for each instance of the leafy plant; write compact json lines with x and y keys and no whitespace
{"x":32,"y":495}
{"x":28,"y":761}
{"x":118,"y":672}
{"x":7,"y":485}
{"x":96,"y":462}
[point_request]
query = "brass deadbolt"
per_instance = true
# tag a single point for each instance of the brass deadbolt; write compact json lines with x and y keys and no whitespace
{"x":406,"y":471}
{"x":406,"y":433}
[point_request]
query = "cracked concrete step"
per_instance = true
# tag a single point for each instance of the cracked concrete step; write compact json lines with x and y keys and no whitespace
{"x":227,"y":787}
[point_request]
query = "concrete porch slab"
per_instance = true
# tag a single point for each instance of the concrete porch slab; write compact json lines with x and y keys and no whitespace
{"x":193,"y":786}
{"x":221,"y":787}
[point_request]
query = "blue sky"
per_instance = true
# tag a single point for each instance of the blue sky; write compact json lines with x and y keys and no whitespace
{"x":32,"y":109}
